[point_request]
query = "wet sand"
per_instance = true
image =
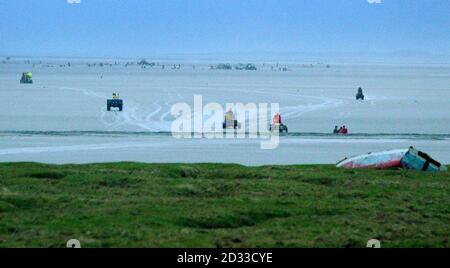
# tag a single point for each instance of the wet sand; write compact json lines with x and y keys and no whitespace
{"x":399,"y":100}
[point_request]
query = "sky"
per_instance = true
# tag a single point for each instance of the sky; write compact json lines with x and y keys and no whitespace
{"x":135,"y":28}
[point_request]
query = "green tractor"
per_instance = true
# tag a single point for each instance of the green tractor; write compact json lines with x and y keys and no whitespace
{"x":27,"y":78}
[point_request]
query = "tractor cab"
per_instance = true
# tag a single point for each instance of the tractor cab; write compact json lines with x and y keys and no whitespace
{"x":27,"y":78}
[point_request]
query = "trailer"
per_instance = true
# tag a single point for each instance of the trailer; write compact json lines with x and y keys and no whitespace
{"x":233,"y":124}
{"x":279,"y":128}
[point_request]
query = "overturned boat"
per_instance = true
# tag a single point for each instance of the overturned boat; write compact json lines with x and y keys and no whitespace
{"x":414,"y":159}
{"x":401,"y":158}
{"x":379,"y":160}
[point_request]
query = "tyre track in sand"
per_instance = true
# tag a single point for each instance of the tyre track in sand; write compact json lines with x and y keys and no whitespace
{"x":155,"y":119}
{"x":134,"y":114}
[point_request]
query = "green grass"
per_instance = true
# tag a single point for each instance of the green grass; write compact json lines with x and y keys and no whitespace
{"x":215,"y":205}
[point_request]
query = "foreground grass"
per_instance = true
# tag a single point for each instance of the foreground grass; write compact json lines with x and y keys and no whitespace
{"x":214,"y":205}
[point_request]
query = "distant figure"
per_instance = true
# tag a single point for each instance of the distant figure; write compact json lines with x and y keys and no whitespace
{"x":336,"y":130}
{"x":341,"y":130}
{"x":360,"y":94}
{"x":344,"y":130}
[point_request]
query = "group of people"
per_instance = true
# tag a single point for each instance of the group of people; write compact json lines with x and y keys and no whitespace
{"x":342,"y":130}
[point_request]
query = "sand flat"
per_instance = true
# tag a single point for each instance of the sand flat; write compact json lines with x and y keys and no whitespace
{"x":399,"y":100}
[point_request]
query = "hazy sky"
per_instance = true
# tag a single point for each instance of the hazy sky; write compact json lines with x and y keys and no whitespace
{"x":158,"y":27}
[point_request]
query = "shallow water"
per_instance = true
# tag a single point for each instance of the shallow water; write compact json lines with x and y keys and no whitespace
{"x":62,"y":117}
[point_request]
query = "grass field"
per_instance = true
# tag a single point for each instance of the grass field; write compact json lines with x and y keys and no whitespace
{"x":216,"y":205}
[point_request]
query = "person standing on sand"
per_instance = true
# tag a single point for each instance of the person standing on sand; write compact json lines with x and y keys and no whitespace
{"x":344,"y":130}
{"x":336,"y":130}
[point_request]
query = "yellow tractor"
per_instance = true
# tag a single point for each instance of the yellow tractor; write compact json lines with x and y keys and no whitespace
{"x":27,"y":78}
